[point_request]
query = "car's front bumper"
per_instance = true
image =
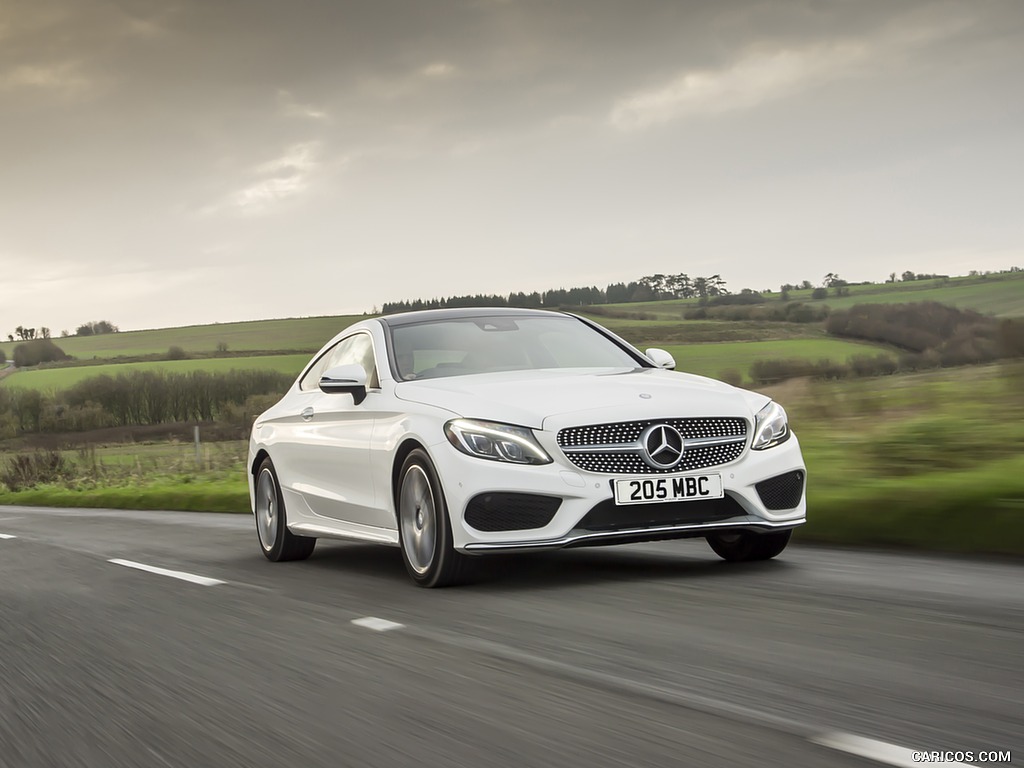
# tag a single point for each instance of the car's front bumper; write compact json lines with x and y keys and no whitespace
{"x":581,"y":493}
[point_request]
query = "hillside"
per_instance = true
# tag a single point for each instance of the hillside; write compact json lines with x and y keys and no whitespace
{"x":707,"y":347}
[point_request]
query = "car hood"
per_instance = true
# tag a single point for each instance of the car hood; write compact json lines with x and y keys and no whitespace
{"x":552,"y":399}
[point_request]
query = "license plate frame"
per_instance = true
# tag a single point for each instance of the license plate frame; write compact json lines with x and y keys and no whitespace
{"x":662,"y":489}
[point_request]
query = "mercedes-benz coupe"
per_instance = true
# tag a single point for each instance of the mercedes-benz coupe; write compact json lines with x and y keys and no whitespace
{"x":454,"y":433}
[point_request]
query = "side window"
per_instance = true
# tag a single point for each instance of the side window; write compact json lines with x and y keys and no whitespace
{"x":355,"y":350}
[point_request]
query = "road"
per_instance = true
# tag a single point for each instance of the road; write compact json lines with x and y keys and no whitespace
{"x":648,"y":655}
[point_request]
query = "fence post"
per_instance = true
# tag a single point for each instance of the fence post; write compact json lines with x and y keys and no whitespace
{"x":199,"y":455}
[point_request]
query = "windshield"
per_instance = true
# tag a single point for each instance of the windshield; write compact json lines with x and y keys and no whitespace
{"x":463,"y":346}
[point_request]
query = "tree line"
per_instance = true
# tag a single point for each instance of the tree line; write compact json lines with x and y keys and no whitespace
{"x":92,"y":328}
{"x":141,"y":398}
{"x":648,"y":288}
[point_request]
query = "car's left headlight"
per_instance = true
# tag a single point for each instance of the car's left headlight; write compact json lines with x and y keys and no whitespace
{"x":771,"y":427}
{"x":495,"y":441}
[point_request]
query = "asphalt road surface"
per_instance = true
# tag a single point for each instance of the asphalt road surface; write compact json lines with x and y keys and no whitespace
{"x":647,"y":655}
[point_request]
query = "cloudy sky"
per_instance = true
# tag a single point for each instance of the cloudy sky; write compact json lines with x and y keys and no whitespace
{"x":191,"y":161}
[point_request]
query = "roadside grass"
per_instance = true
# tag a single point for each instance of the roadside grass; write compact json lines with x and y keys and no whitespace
{"x":717,"y":359}
{"x":51,"y":379}
{"x":928,"y":460}
{"x":164,"y":475}
{"x":187,"y":494}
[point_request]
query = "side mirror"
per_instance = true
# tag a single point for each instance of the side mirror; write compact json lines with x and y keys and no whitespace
{"x":349,"y":379}
{"x":661,"y":358}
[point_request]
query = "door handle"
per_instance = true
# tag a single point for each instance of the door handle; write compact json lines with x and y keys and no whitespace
{"x":307,"y":413}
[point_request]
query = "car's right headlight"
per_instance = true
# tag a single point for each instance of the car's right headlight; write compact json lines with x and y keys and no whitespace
{"x":495,"y":441}
{"x":771,"y":427}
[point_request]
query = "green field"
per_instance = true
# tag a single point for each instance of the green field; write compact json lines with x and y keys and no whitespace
{"x":52,"y":379}
{"x":1001,"y":298}
{"x":291,"y":335}
{"x":1001,"y":295}
{"x":655,"y":333}
{"x":713,"y":359}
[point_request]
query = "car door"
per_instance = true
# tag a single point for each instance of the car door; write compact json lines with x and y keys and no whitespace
{"x":330,"y":454}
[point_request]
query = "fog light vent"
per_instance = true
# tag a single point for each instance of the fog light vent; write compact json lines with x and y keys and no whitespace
{"x":782,"y":491}
{"x":511,"y":511}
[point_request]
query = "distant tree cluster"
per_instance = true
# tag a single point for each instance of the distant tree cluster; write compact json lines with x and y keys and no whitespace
{"x":648,"y":288}
{"x":96,"y":328}
{"x":36,"y":351}
{"x":27,"y":334}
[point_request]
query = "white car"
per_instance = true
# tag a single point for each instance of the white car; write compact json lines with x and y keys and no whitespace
{"x":459,"y":432}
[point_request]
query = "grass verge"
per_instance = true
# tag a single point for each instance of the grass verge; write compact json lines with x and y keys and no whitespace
{"x":187,"y":494}
{"x":972,"y":511}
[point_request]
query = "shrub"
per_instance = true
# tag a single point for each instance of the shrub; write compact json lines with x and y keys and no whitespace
{"x":914,"y":327}
{"x":731,"y":376}
{"x":222,"y":347}
{"x":27,"y":470}
{"x":1011,"y":338}
{"x":795,"y":312}
{"x":872,"y":365}
{"x":37,"y":351}
{"x":176,"y":353}
{"x":746,"y":296}
{"x":819,"y":293}
{"x":774,"y":371}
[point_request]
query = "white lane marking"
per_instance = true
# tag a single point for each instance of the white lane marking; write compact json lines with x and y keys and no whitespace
{"x":7,"y":536}
{"x":205,"y":581}
{"x":879,"y":751}
{"x":377,"y":625}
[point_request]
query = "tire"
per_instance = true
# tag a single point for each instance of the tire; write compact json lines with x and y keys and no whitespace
{"x":745,"y":547}
{"x":276,"y":541}
{"x":424,"y":528}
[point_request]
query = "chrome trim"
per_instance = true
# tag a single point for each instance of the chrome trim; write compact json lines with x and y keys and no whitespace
{"x":638,"y":447}
{"x":487,"y":546}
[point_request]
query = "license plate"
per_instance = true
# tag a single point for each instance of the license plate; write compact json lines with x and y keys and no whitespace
{"x":652,"y":490}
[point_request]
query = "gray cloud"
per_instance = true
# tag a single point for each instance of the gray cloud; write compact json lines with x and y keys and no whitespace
{"x":165,"y":162}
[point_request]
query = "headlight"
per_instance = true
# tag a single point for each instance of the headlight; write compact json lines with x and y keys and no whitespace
{"x":494,"y":441}
{"x":771,"y":427}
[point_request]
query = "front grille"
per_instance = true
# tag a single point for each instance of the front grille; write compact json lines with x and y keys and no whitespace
{"x":629,"y":461}
{"x":510,"y":511}
{"x":609,"y":516}
{"x":629,"y":431}
{"x":782,"y":491}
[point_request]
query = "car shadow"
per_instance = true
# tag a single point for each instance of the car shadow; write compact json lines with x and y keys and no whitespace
{"x":548,"y":570}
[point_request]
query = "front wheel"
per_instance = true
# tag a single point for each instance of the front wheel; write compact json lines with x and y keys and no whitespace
{"x":744,"y":547}
{"x":276,"y":541}
{"x":424,"y":530}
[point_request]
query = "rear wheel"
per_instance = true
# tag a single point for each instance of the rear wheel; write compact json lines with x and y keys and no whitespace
{"x":744,"y":547}
{"x":276,"y":541}
{"x":424,"y":529}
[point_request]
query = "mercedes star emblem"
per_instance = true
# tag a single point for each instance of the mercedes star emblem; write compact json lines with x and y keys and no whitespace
{"x":662,"y":446}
